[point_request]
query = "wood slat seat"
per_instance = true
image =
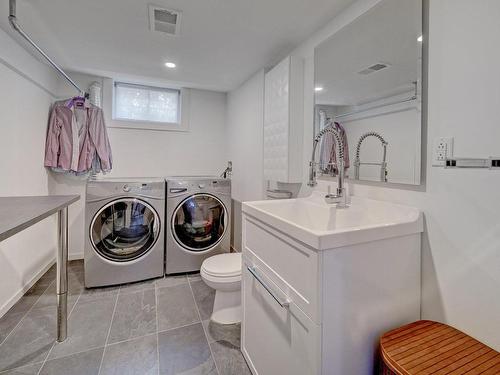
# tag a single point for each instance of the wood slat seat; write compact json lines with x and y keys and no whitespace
{"x":426,"y":347}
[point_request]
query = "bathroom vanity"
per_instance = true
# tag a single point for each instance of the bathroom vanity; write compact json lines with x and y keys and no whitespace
{"x":321,"y":284}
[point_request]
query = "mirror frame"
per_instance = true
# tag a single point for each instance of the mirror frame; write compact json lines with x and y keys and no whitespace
{"x":424,"y":115}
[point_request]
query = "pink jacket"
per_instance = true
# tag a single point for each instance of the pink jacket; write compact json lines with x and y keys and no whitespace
{"x":75,"y":137}
{"x":328,"y":156}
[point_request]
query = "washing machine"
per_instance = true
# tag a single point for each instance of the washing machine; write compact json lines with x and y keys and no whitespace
{"x":124,"y":231}
{"x":197,"y":220}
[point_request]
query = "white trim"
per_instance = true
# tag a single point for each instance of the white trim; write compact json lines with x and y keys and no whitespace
{"x":16,"y":297}
{"x":76,"y":256}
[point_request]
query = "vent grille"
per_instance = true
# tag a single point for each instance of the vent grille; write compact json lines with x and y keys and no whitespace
{"x":374,"y":68}
{"x":164,"y":20}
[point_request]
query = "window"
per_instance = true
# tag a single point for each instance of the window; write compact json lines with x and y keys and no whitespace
{"x":147,"y":104}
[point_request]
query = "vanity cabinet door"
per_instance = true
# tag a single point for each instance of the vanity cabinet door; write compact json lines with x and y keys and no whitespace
{"x":275,"y":339}
{"x":292,"y":266}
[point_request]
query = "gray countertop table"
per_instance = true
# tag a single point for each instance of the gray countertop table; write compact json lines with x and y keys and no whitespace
{"x":19,"y":213}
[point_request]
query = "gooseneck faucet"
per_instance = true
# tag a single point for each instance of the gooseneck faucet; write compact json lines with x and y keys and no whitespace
{"x":383,"y":164}
{"x":340,"y":197}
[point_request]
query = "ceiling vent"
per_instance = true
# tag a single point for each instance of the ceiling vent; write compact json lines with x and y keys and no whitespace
{"x":164,"y":20}
{"x":374,"y":68}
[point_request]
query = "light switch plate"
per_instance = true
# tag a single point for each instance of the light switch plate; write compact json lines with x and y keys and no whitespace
{"x":443,"y":148}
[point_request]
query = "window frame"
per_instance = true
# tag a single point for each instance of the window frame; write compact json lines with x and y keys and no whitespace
{"x":183,"y":111}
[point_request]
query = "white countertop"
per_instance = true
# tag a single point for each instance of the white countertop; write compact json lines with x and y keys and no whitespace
{"x":322,"y":226}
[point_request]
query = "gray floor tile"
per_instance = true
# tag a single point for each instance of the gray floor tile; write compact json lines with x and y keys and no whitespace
{"x":78,"y":281}
{"x":135,"y":316}
{"x":49,"y":298}
{"x":171,"y":281}
{"x":138,"y":286}
{"x":223,"y":332}
{"x":176,"y":307}
{"x":76,"y":266}
{"x":88,"y":327}
{"x":204,"y":296}
{"x":86,"y":363}
{"x":138,"y":356}
{"x":185,"y":351}
{"x":30,"y":297}
{"x":48,"y":276}
{"x":229,"y":359}
{"x":25,"y":370}
{"x":30,"y":341}
{"x":96,"y":294}
{"x":194,"y":276}
{"x":8,"y":322}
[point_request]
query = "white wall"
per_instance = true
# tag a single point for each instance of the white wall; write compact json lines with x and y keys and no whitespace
{"x":245,"y":110}
{"x":245,"y":124}
{"x":151,"y":153}
{"x":24,"y":108}
{"x":461,"y":246}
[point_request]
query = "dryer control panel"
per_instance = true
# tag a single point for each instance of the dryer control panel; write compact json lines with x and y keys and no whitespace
{"x":176,"y":187}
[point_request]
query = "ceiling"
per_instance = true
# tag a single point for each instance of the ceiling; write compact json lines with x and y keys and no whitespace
{"x":222,"y":42}
{"x":386,"y":34}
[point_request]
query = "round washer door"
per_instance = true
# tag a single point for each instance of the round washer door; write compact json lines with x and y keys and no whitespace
{"x":199,"y":222}
{"x":124,"y":229}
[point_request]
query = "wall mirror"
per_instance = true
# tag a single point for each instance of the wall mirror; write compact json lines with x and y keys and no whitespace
{"x":368,"y":84}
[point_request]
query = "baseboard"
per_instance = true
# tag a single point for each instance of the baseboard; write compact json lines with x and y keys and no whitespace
{"x":75,"y":256}
{"x":234,"y":250}
{"x":249,"y":362}
{"x":16,"y":297}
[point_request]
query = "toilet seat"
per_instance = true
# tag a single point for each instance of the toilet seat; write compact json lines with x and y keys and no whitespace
{"x":223,"y":266}
{"x":223,"y":273}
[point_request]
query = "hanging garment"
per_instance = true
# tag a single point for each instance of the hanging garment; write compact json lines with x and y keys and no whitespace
{"x":77,"y":141}
{"x":328,"y":151}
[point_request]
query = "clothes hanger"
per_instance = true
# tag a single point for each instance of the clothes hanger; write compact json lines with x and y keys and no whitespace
{"x":79,"y":101}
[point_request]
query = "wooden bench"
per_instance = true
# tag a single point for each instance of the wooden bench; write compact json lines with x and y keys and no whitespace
{"x":426,"y":347}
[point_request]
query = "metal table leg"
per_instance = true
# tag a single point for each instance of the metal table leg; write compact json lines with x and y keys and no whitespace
{"x":62,"y":275}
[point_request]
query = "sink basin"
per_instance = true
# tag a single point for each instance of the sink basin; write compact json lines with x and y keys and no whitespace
{"x":314,"y":216}
{"x":323,"y":226}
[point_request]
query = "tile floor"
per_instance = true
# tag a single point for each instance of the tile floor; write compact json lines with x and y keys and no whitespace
{"x":157,"y":326}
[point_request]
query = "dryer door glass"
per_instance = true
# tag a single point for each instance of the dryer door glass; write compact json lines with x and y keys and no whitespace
{"x":125,"y":229}
{"x":199,"y":222}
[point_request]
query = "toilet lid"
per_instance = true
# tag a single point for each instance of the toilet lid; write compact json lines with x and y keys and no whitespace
{"x":225,"y":265}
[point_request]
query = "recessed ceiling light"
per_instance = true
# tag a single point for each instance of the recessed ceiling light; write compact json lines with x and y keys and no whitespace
{"x":318,"y":89}
{"x":170,"y":65}
{"x":420,"y":38}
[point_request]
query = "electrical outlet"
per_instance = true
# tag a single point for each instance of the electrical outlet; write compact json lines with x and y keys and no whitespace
{"x":443,"y":149}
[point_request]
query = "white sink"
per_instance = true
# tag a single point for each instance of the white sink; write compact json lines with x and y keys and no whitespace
{"x":302,"y":213}
{"x":323,"y":226}
{"x":320,"y":285}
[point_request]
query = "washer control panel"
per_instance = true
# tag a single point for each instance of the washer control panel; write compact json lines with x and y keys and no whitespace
{"x":105,"y":188}
{"x":136,"y":187}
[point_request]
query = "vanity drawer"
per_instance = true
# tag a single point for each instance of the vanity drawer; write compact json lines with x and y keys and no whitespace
{"x":275,"y":339}
{"x":290,"y":264}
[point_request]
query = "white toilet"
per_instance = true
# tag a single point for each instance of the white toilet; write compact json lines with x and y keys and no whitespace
{"x":223,"y":273}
